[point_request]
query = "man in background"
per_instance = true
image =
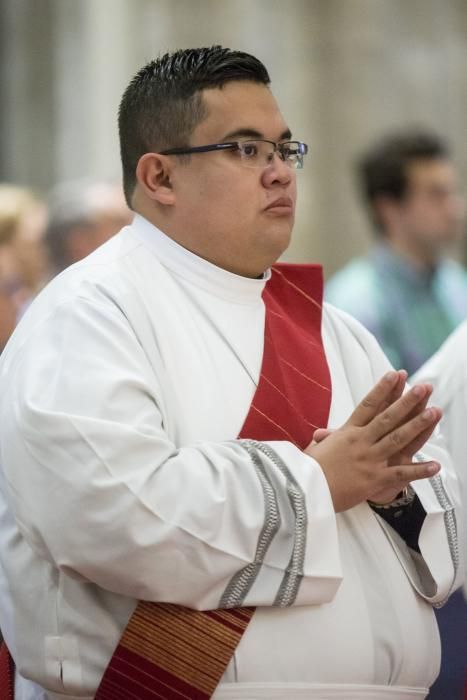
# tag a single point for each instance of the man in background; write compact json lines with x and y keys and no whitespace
{"x":83,"y":214}
{"x":406,"y":291}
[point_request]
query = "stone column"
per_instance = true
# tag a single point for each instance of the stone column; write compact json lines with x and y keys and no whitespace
{"x":27,"y":135}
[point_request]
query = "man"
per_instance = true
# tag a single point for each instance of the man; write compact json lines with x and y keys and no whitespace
{"x":83,"y":214}
{"x":447,"y":371}
{"x":158,"y":405}
{"x":405,"y":291}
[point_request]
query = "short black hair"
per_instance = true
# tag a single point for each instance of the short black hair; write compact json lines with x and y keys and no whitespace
{"x":162,"y":104}
{"x":383,"y":169}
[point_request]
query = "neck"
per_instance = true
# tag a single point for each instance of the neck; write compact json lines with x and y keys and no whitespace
{"x":249,"y":265}
{"x":422,"y":257}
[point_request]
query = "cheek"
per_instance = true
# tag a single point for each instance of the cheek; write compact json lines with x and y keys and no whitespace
{"x":293,"y":189}
{"x":435,"y":216}
{"x":418,"y":219}
{"x":236,"y":198}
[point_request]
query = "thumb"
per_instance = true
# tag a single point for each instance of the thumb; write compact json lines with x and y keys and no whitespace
{"x":320,"y":434}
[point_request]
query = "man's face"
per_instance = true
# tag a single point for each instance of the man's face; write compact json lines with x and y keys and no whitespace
{"x":431,"y":211}
{"x":223,"y":208}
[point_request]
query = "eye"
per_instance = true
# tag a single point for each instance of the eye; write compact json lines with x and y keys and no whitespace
{"x":249,"y":149}
{"x":289,"y":150}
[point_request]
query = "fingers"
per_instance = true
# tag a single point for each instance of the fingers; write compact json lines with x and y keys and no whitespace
{"x":422,"y":404}
{"x":407,"y":453}
{"x":385,"y":392}
{"x":397,"y":391}
{"x":398,"y":413}
{"x":320,"y":434}
{"x":411,"y":432}
{"x":399,"y":477}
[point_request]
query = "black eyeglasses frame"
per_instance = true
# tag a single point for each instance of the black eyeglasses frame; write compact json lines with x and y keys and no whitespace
{"x":230,"y":145}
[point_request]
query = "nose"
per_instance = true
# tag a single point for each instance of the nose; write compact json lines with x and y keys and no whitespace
{"x":277,"y":172}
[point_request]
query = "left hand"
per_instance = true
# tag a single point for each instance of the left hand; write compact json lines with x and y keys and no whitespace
{"x":406,"y":455}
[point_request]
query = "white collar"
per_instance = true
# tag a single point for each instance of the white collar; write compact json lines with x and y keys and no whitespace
{"x":196,"y":270}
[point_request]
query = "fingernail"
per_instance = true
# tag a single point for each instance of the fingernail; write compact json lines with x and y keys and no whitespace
{"x":390,"y":377}
{"x":419,"y":391}
{"x":433,"y":468}
{"x":428,"y":413}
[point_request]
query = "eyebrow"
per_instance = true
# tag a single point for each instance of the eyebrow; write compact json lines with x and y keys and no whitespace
{"x":253,"y":134}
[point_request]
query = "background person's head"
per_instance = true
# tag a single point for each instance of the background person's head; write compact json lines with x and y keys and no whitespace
{"x":213,"y":202}
{"x":83,"y":214}
{"x":410,"y":185}
{"x":23,"y":260}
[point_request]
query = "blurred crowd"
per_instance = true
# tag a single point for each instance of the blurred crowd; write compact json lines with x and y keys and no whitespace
{"x":41,"y":236}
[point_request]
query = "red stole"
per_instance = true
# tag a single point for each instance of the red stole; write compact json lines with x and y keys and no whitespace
{"x":294,"y":390}
{"x":168,"y":652}
{"x":7,"y":674}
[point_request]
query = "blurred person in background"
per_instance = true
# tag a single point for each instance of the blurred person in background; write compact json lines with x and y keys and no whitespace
{"x":83,"y":214}
{"x":23,"y":259}
{"x":447,"y":372}
{"x":409,"y":294}
{"x":7,"y":318}
{"x":405,"y":290}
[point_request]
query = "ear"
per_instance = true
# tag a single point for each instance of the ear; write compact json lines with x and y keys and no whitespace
{"x":387,"y":211}
{"x":153,"y":174}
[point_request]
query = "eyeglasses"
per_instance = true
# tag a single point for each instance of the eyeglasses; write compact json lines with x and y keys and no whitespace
{"x":253,"y":154}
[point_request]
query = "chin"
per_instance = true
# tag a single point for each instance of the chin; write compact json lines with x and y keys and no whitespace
{"x":271,"y":256}
{"x":280,"y":238}
{"x":267,"y":246}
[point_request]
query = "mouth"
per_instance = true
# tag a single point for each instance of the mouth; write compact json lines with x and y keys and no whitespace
{"x":284,"y":206}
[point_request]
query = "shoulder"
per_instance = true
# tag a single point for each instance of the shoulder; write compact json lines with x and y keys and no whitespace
{"x":447,"y":368}
{"x":350,"y":333}
{"x":354,"y":289}
{"x":451,"y":289}
{"x":451,"y":278}
{"x":106,"y":287}
{"x":448,"y":266}
{"x":358,"y":273}
{"x":353,"y":353}
{"x":345,"y":322}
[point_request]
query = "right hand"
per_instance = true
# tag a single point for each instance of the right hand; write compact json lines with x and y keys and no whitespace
{"x":370,"y":456}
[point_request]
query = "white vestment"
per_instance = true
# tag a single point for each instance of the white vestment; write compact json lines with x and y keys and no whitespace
{"x":121,"y":394}
{"x":447,"y":371}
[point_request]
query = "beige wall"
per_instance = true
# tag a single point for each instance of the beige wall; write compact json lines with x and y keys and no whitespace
{"x":343,"y":70}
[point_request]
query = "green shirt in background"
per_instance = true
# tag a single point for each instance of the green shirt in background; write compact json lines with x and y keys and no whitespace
{"x":409,"y":310}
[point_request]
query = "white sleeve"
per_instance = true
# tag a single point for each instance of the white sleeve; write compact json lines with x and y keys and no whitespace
{"x":447,"y":371}
{"x":100,"y":490}
{"x":437,"y":570}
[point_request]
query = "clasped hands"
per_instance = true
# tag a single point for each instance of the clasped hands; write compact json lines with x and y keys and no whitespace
{"x":370,"y":456}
